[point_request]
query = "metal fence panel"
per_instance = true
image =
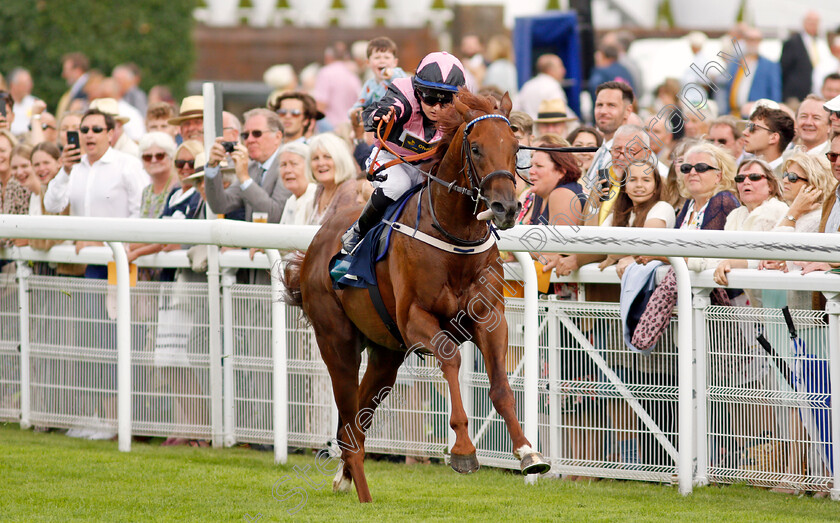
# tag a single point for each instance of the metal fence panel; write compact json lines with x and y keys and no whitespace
{"x":170,"y":359}
{"x":9,"y":346}
{"x":73,"y":353}
{"x":768,"y":414}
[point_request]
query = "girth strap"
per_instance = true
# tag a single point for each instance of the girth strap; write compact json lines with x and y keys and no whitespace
{"x":379,"y":305}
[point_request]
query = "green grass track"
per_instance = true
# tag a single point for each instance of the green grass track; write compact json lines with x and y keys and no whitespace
{"x":50,"y":477}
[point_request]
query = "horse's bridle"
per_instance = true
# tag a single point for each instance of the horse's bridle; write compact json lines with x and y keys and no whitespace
{"x":476,"y":188}
{"x":476,"y":184}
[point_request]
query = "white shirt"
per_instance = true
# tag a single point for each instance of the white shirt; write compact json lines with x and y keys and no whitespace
{"x":660,"y":210}
{"x":539,"y":88}
{"x":110,"y":188}
{"x":776,"y":165}
{"x":828,"y":64}
{"x":820,"y":150}
{"x":35,"y":204}
{"x":298,"y":210}
{"x":23,"y":115}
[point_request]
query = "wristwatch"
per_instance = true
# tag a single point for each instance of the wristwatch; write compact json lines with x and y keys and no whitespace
{"x":791,"y":218}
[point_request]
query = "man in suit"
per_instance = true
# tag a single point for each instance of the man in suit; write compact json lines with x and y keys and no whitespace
{"x":257,"y":168}
{"x":761,"y":78}
{"x":799,"y":57}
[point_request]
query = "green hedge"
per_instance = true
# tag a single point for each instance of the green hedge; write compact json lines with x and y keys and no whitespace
{"x":154,"y":34}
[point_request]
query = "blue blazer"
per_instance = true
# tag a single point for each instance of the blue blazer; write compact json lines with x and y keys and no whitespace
{"x":767,"y":82}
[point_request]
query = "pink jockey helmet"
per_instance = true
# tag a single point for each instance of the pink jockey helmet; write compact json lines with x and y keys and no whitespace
{"x":440,"y":71}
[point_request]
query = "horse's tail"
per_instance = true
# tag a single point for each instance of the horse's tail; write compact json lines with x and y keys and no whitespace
{"x":291,"y":279}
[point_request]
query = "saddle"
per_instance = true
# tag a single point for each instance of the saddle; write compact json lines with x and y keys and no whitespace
{"x":359,"y":268}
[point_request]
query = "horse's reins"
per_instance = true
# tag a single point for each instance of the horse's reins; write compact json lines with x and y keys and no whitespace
{"x":373,"y":174}
{"x":475,"y":191}
{"x":562,"y":149}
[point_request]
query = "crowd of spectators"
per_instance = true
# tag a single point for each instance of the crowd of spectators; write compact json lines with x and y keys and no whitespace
{"x":757,"y":151}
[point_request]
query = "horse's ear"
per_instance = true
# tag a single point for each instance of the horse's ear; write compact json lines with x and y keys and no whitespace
{"x":506,"y":104}
{"x":462,"y":108}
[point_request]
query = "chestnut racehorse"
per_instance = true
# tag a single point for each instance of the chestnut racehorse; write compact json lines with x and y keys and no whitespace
{"x":424,"y":289}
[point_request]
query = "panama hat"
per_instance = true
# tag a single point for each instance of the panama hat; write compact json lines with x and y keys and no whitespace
{"x":109,"y":106}
{"x":191,"y":107}
{"x":200,"y":160}
{"x":833,"y":104}
{"x":553,"y":111}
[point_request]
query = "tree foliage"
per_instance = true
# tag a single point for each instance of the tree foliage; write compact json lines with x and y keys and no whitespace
{"x":154,"y":34}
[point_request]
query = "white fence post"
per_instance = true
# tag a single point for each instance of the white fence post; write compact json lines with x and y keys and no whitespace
{"x":700,"y":301}
{"x":279,"y":376}
{"x":832,"y":307}
{"x":23,"y":273}
{"x":228,"y":382}
{"x":123,"y":347}
{"x":214,"y":313}
{"x":555,"y":402}
{"x":531,"y":354}
{"x":685,"y":373}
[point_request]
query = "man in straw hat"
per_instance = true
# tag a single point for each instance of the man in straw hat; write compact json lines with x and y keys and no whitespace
{"x":552,"y":117}
{"x":120,"y":140}
{"x":190,"y":119}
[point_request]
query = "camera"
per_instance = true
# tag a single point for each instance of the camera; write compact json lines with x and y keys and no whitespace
{"x":3,"y":104}
{"x":229,"y":146}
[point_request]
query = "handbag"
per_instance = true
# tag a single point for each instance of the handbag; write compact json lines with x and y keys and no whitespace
{"x":659,"y":310}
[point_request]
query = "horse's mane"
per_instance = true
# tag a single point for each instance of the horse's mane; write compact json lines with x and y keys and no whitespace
{"x":451,"y":119}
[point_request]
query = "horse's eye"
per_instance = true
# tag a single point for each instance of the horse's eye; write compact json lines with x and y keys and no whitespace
{"x":475,"y":149}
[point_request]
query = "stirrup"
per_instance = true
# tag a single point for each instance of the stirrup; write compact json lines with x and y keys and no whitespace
{"x":350,"y":240}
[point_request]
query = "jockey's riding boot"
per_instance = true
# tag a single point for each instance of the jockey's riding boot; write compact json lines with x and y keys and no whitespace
{"x":371,"y":216}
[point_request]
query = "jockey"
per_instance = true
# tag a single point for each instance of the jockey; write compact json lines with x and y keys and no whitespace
{"x":415,"y":104}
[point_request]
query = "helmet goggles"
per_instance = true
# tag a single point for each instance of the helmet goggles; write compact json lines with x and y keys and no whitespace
{"x":433,"y":97}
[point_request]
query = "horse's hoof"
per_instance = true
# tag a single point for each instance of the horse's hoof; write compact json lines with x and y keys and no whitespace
{"x":464,"y":463}
{"x":534,"y":463}
{"x":341,"y":483}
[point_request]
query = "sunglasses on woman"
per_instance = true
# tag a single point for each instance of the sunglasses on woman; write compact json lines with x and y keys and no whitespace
{"x":699,"y":167}
{"x":288,"y":112}
{"x":180,"y":164}
{"x":754,"y":177}
{"x":158,"y":157}
{"x":793,"y":177}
